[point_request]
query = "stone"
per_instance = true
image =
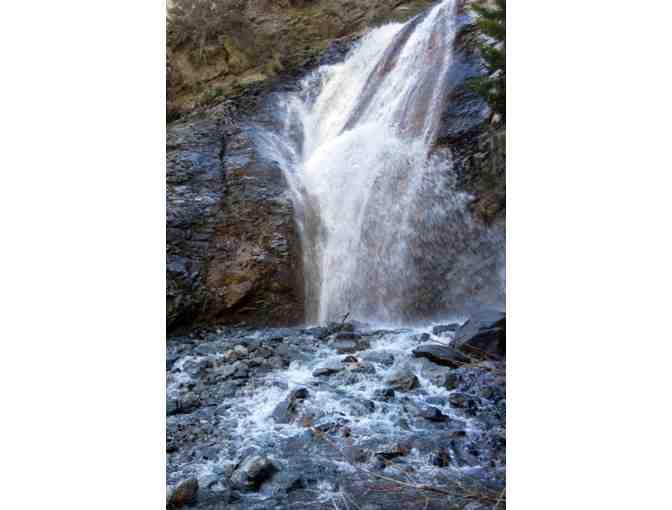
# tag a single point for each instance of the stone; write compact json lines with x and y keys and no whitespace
{"x":464,"y":402}
{"x":442,"y":458}
{"x":226,"y":371}
{"x":421,"y":338}
{"x":349,"y":346}
{"x":433,"y":414}
{"x":441,"y":355}
{"x":384,"y":394}
{"x":184,"y":493}
{"x":483,"y":335}
{"x":326,"y":371}
{"x":403,"y":381}
{"x":445,"y":329}
{"x":252,"y":472}
{"x":347,"y":335}
{"x":362,"y":368}
{"x":184,"y":405}
{"x":361,"y":407}
{"x":385,"y":359}
{"x":285,"y":411}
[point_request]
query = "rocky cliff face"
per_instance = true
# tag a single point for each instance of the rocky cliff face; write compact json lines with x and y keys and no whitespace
{"x":232,"y":247}
{"x":233,"y":250}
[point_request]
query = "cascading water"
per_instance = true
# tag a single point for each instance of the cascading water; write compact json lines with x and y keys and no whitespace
{"x":385,"y":235}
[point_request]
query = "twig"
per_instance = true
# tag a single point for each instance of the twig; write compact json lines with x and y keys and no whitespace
{"x":499,"y":499}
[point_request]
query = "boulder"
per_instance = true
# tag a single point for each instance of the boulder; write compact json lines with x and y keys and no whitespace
{"x":350,"y":346}
{"x":252,"y":472}
{"x":403,"y":381}
{"x":184,"y":493}
{"x":483,"y":335}
{"x":285,"y":411}
{"x":445,"y":329}
{"x":184,"y":405}
{"x":326,"y":371}
{"x":442,"y":458}
{"x":432,"y":414}
{"x":441,"y":355}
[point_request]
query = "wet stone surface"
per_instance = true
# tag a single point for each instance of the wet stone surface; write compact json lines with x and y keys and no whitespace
{"x":278,"y":418}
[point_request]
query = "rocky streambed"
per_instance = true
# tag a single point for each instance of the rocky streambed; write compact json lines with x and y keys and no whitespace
{"x":347,"y":415}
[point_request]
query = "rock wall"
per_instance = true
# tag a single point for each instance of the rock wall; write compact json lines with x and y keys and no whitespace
{"x":233,"y":254}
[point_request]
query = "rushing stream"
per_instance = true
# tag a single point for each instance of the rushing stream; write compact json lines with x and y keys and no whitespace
{"x":301,"y":417}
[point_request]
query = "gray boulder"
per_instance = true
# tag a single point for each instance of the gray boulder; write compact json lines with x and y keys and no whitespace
{"x":441,"y":355}
{"x":252,"y":472}
{"x":285,"y":411}
{"x":483,"y":335}
{"x":182,"y":494}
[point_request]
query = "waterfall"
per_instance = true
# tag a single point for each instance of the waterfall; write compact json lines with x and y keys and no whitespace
{"x":385,"y":235}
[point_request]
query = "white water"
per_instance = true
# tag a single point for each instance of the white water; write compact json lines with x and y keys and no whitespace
{"x":381,"y":225}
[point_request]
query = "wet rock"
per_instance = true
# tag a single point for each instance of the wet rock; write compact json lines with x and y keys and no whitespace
{"x":185,"y":405}
{"x":384,"y":394}
{"x":422,"y":337}
{"x":393,"y":452}
{"x":276,"y":362}
{"x":432,"y":414}
{"x":442,"y":458}
{"x":483,"y":335}
{"x":172,"y":406}
{"x":356,"y":454}
{"x":242,"y":371}
{"x":326,"y":371}
{"x":252,"y":472}
{"x":382,"y":358}
{"x":441,"y":355}
{"x":362,"y":368}
{"x":231,"y":241}
{"x":463,"y":402}
{"x":451,"y":381}
{"x":197,"y":367}
{"x":226,"y":371}
{"x":347,"y":335}
{"x":348,"y":346}
{"x":335,"y":327}
{"x":329,"y":423}
{"x":361,"y":407}
{"x":403,"y":381}
{"x":183,"y":494}
{"x":318,"y":332}
{"x":445,"y":329}
{"x":285,"y":411}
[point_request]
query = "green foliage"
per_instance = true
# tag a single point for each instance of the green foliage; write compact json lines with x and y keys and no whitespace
{"x":490,"y":25}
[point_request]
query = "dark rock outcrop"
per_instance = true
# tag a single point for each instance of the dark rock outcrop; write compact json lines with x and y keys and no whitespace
{"x":232,"y":247}
{"x":445,"y":329}
{"x":441,"y":355}
{"x":483,"y":335}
